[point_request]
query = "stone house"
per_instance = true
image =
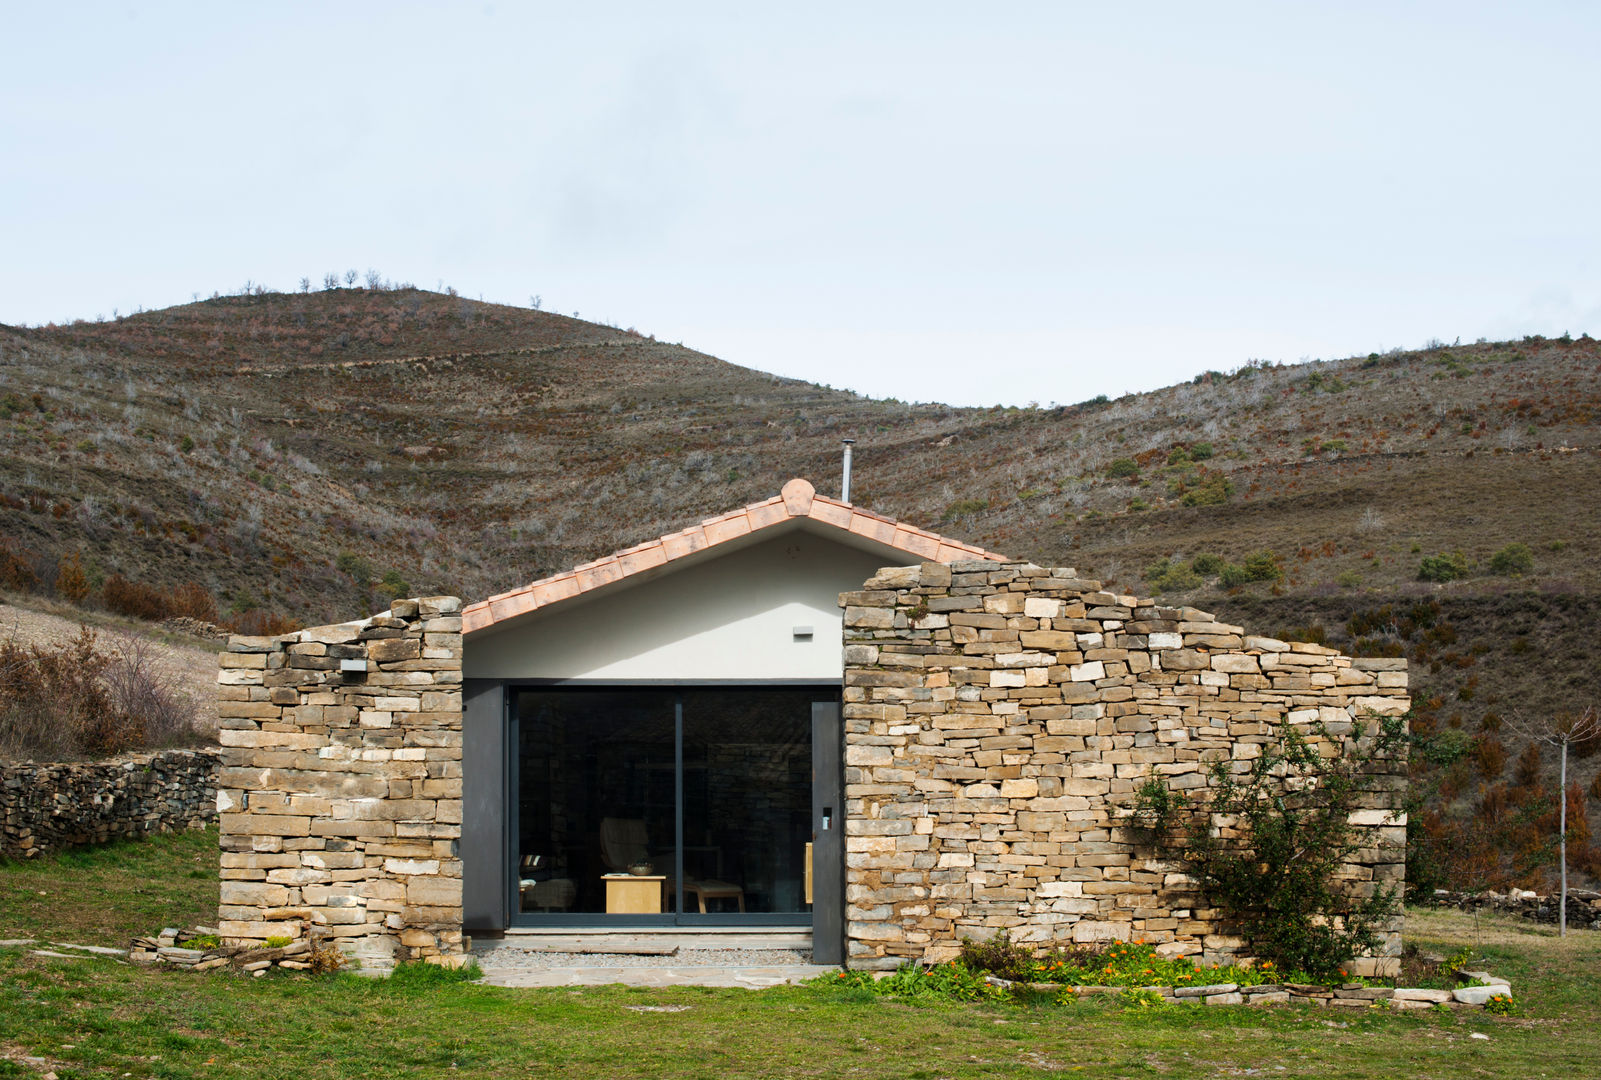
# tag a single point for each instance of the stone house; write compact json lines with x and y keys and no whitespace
{"x":769,"y":723}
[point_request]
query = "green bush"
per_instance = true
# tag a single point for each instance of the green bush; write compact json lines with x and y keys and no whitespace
{"x":1207,"y":564}
{"x":1514,"y":560}
{"x":1201,"y":451}
{"x":1122,"y":467}
{"x":954,"y":981}
{"x":964,"y":507}
{"x":359,"y":569}
{"x":393,"y":585}
{"x":1443,"y":567}
{"x":1171,"y":576}
{"x":1210,"y":490}
{"x":1258,"y":566}
{"x":1277,"y":869}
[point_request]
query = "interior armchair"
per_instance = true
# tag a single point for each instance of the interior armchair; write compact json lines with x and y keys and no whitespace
{"x":542,"y":888}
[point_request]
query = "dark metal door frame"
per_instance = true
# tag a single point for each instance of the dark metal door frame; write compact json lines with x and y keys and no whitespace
{"x":828,"y":831}
{"x":828,"y":750}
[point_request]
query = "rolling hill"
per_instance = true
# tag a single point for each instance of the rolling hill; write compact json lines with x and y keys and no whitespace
{"x":299,"y":456}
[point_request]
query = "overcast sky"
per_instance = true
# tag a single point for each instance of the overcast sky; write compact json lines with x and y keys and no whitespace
{"x":973,"y":203}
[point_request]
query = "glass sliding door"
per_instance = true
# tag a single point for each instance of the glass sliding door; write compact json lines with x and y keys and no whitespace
{"x":596,"y":795}
{"x":747,"y":799}
{"x":686,"y":805}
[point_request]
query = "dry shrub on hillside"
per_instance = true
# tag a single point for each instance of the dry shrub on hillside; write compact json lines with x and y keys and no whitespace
{"x":135,"y":600}
{"x":77,"y":700}
{"x":72,"y":583}
{"x":259,"y":623}
{"x":153,"y":603}
{"x":16,"y":573}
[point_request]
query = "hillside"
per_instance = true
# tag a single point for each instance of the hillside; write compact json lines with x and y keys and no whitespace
{"x":302,"y":455}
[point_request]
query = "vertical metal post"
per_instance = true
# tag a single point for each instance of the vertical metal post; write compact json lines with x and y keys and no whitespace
{"x":678,"y":807}
{"x":490,"y":754}
{"x":828,"y":827}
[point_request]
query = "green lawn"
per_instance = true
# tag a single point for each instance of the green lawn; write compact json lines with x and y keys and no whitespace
{"x":95,"y":1017}
{"x":104,"y":895}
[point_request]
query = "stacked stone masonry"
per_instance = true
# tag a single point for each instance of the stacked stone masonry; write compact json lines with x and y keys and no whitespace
{"x":340,"y":788}
{"x":998,"y":721}
{"x":47,"y":807}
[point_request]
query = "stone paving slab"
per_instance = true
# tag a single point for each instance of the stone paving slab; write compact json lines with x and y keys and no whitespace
{"x":749,"y":978}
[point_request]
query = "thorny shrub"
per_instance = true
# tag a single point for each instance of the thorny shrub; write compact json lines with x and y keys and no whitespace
{"x":325,"y":959}
{"x":77,"y":700}
{"x":153,"y":604}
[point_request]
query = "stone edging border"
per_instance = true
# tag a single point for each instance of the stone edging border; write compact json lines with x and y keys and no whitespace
{"x":1346,"y":995}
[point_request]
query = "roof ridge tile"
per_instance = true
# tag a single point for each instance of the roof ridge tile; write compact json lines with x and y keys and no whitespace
{"x":797,"y":500}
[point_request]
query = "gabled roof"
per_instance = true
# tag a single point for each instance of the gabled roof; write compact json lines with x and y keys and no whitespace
{"x":798,"y":501}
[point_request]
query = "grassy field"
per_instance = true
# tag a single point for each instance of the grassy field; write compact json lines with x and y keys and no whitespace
{"x":97,"y":1017}
{"x":105,"y":895}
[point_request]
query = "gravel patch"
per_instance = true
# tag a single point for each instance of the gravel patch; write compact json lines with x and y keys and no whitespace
{"x":498,"y":957}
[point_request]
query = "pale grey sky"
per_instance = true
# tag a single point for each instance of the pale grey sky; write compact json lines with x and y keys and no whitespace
{"x":963,"y":202}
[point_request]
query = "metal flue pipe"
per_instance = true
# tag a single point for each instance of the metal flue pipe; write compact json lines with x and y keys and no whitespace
{"x":845,"y":482}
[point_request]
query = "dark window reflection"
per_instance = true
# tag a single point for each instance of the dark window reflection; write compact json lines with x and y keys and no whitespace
{"x":598,"y":795}
{"x":747,"y":799}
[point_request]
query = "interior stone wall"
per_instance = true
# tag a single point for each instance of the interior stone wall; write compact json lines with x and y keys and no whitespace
{"x":998,"y":721}
{"x":340,"y":789}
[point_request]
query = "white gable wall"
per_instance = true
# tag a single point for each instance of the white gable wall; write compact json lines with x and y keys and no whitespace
{"x":730,"y":617}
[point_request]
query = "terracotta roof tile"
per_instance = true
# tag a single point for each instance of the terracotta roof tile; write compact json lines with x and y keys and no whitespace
{"x":873,"y":527}
{"x":917,"y":541}
{"x":798,"y":500}
{"x":768,"y":513}
{"x":677,"y":545}
{"x":830,"y":511}
{"x":645,"y":558}
{"x":728,"y":528}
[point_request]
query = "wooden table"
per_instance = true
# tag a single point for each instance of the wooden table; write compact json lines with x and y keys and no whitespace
{"x":629,"y":894}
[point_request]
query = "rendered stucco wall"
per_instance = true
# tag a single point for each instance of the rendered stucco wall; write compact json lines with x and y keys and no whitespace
{"x":730,"y":618}
{"x":998,"y":721}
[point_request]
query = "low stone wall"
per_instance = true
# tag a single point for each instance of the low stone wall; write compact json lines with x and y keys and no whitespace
{"x":47,"y":807}
{"x":998,"y":721}
{"x":340,"y":792}
{"x":1584,"y":905}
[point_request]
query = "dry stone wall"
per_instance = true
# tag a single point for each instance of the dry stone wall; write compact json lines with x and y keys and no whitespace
{"x":340,"y":791}
{"x":46,"y":807}
{"x":998,"y":721}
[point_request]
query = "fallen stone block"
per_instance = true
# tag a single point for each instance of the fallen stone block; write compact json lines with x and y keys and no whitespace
{"x":1478,"y":995}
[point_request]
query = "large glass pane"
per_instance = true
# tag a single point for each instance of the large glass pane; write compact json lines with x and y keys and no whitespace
{"x":596,"y":795}
{"x":747,"y":799}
